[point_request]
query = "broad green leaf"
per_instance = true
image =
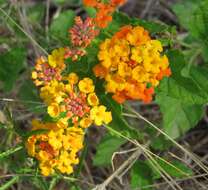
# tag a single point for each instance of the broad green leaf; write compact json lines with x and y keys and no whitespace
{"x":9,"y":183}
{"x":11,"y":63}
{"x":199,"y":75}
{"x":178,"y":117}
{"x":200,"y":22}
{"x":173,"y":168}
{"x":108,"y":145}
{"x":193,"y":15}
{"x":182,"y":89}
{"x":141,"y":175}
{"x":160,"y":143}
{"x":185,"y":12}
{"x":179,"y":87}
{"x":178,"y":95}
{"x":60,"y":25}
{"x":28,"y":94}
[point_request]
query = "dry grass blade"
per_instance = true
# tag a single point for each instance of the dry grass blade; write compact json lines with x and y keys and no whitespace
{"x":194,"y":158}
{"x":23,"y":31}
{"x":116,"y":173}
{"x":147,"y":152}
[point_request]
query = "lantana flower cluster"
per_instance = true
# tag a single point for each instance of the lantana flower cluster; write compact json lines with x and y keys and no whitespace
{"x":57,"y":149}
{"x":132,"y":64}
{"x":74,"y":106}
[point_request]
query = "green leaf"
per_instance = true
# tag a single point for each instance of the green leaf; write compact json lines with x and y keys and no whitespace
{"x":200,"y":22}
{"x":179,"y":87}
{"x":11,"y":63}
{"x":177,"y":117}
{"x":141,"y":175}
{"x":199,"y":75}
{"x":193,"y":15}
{"x":174,"y":169}
{"x":108,"y":145}
{"x":178,"y":95}
{"x":60,"y":25}
{"x":160,"y":143}
{"x":185,"y":12}
{"x":9,"y":183}
{"x":28,"y":94}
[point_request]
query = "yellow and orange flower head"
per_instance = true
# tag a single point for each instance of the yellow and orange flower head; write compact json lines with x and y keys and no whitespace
{"x":72,"y":97}
{"x":132,"y":64}
{"x":57,"y":149}
{"x":49,"y":69}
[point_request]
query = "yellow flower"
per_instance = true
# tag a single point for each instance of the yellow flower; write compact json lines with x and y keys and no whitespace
{"x":30,"y":145}
{"x":34,"y":75}
{"x":124,"y":70}
{"x":54,"y":110}
{"x":73,"y":78}
{"x":93,"y":99}
{"x":85,"y":122}
{"x":46,"y":169}
{"x":55,"y":138}
{"x":62,"y":123}
{"x":73,"y":138}
{"x":136,"y":55}
{"x":64,"y":164}
{"x":139,"y":74}
{"x":99,"y":115}
{"x":86,"y":85}
{"x":43,"y":156}
{"x":56,"y":58}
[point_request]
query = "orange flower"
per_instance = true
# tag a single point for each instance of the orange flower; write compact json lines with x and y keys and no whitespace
{"x":123,"y":32}
{"x":102,"y":19}
{"x":164,"y":73}
{"x":119,"y":97}
{"x":118,"y":2}
{"x":100,"y":71}
{"x":90,"y":3}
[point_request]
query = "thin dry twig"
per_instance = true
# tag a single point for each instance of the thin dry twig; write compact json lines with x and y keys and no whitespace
{"x":116,"y":173}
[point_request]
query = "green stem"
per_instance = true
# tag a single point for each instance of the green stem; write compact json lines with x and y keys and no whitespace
{"x":10,"y":183}
{"x":10,"y":151}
